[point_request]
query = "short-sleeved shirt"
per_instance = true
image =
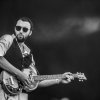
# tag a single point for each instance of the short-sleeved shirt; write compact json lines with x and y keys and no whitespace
{"x":5,"y":43}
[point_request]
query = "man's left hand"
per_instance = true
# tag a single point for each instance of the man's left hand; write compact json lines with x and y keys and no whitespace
{"x":68,"y":78}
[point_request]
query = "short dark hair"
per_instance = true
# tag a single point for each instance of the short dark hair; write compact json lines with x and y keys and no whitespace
{"x":27,"y":20}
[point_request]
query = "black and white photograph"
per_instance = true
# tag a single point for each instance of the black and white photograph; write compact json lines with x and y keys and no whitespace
{"x":49,"y":50}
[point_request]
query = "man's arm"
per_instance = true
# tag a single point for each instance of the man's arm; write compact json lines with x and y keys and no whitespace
{"x":67,"y":80}
{"x":46,"y":83}
{"x":4,"y":64}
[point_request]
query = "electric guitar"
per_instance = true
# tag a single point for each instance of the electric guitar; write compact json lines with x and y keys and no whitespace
{"x":12,"y":86}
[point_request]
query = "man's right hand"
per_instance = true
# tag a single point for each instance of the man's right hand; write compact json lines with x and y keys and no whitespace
{"x":25,"y":80}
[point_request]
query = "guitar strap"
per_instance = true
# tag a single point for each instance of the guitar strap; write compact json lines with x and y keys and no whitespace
{"x":0,"y":78}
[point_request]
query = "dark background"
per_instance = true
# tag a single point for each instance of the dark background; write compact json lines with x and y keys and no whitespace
{"x":66,"y":37}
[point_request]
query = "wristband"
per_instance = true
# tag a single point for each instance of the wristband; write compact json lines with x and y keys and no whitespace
{"x":58,"y":81}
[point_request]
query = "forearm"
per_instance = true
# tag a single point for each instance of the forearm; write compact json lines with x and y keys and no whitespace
{"x":46,"y":83}
{"x":4,"y":64}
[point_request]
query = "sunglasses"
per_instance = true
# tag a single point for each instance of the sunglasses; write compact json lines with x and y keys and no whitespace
{"x":18,"y":28}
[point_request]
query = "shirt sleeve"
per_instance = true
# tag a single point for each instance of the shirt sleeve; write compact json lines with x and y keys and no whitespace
{"x":5,"y":43}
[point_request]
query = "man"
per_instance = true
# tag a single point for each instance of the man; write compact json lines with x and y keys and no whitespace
{"x":15,"y":56}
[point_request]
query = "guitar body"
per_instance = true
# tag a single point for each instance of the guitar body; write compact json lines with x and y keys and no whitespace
{"x":12,"y":86}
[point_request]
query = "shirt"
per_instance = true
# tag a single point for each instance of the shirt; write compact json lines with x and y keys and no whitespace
{"x":5,"y":43}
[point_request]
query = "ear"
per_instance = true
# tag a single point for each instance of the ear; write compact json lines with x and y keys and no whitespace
{"x":30,"y":33}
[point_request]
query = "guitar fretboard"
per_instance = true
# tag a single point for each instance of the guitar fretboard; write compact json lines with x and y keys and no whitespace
{"x":47,"y":77}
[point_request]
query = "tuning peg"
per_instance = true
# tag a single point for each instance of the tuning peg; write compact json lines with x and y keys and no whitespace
{"x":77,"y":72}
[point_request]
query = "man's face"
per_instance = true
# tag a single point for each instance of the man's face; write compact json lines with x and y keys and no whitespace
{"x":22,"y":30}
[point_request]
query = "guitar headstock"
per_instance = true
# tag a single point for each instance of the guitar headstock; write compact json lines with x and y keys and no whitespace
{"x":80,"y":76}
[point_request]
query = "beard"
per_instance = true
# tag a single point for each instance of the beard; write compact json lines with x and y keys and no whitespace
{"x":20,"y":38}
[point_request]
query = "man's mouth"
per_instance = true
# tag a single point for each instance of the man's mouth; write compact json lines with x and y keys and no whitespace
{"x":20,"y":36}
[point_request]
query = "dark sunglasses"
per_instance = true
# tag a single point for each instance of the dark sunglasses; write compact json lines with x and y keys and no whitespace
{"x":18,"y":28}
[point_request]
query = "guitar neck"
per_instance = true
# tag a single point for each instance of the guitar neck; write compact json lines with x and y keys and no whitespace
{"x":57,"y":76}
{"x":47,"y":77}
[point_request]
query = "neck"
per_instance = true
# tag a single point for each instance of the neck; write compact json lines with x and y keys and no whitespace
{"x":19,"y":43}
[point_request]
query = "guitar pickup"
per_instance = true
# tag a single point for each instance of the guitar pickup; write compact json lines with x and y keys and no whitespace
{"x":11,"y":80}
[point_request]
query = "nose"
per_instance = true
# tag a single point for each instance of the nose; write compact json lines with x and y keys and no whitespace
{"x":21,"y":30}
{"x":20,"y":33}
